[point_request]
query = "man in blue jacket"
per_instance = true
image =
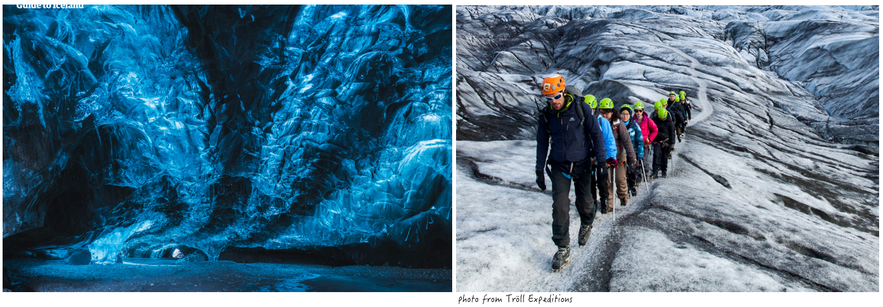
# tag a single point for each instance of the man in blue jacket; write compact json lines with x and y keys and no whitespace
{"x":601,"y":185}
{"x":575,"y":141}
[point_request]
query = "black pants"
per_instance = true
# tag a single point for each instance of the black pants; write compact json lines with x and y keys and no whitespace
{"x":581,"y":176}
{"x":647,"y":164}
{"x":631,"y":175}
{"x":660,"y":157}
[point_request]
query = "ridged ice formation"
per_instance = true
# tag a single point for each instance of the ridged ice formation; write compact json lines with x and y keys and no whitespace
{"x":277,"y":127}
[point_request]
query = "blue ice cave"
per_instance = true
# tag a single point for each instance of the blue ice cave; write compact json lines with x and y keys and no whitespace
{"x":174,"y":131}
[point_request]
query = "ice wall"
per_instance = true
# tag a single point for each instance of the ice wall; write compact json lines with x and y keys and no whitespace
{"x":276,"y":127}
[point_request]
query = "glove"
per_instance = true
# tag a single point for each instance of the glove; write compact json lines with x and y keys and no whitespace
{"x":601,"y":171}
{"x":541,"y":179}
{"x":611,"y":163}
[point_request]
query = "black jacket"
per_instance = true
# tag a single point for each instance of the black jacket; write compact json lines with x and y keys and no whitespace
{"x":688,"y":108}
{"x":666,"y":128}
{"x":568,"y":139}
{"x":677,"y":110}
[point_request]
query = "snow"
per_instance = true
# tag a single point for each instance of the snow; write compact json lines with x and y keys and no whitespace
{"x":504,"y":244}
{"x":761,"y":196}
{"x":652,"y":262}
{"x":504,"y":234}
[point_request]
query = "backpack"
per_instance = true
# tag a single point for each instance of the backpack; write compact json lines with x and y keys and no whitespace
{"x":577,"y":96}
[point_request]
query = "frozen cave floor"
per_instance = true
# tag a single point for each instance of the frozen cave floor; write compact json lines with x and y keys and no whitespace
{"x":156,"y":275}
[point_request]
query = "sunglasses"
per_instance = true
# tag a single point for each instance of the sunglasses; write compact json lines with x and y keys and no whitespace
{"x":639,"y":111}
{"x":554,"y":98}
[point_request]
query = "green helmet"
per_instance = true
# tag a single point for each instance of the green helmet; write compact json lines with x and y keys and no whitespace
{"x":663,"y":113}
{"x":606,"y":103}
{"x":683,"y":95}
{"x":627,"y":107}
{"x":591,"y":101}
{"x":639,"y":105}
{"x":672,"y":93}
{"x":661,"y":104}
{"x":677,"y":99}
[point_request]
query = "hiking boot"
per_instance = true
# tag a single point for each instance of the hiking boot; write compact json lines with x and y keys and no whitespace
{"x":561,"y":257}
{"x":623,"y":201}
{"x":664,"y":175}
{"x":603,"y":206}
{"x":584,"y":231}
{"x":633,"y":191}
{"x":654,"y":176}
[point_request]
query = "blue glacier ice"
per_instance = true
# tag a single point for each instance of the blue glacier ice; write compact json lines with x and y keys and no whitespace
{"x":138,"y":131}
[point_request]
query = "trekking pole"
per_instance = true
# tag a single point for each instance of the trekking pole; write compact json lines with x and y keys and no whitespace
{"x":644,"y":175}
{"x":613,"y":187}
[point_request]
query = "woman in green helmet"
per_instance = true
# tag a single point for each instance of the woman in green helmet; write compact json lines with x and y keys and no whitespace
{"x":637,"y":140}
{"x":624,"y":151}
{"x":648,"y":128}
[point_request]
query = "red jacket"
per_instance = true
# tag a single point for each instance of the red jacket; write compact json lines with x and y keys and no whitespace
{"x":648,"y":129}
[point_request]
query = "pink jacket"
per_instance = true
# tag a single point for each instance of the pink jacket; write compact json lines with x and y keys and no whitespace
{"x":648,"y":129}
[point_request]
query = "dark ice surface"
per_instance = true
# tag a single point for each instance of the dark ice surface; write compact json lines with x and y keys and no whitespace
{"x":151,"y":275}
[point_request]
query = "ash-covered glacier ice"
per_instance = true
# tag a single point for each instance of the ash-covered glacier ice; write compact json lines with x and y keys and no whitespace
{"x":775,"y":187}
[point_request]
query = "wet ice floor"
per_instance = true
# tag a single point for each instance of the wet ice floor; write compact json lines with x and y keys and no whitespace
{"x":148,"y":275}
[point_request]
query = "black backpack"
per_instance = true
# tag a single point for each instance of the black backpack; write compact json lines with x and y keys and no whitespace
{"x":577,"y":96}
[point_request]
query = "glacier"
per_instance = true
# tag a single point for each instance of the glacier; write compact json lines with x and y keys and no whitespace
{"x":185,"y":131}
{"x":775,"y":188}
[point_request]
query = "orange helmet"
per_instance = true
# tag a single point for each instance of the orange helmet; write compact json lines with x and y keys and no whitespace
{"x":553,"y":84}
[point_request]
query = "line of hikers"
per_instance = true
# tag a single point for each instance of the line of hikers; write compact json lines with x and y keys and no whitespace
{"x":602,"y":143}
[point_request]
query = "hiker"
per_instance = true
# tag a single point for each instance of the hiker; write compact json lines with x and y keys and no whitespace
{"x":648,"y":129}
{"x":624,"y":150}
{"x":601,"y":184}
{"x":674,"y":109}
{"x":664,"y":143}
{"x":576,"y":139}
{"x":688,"y":110}
{"x":637,"y":139}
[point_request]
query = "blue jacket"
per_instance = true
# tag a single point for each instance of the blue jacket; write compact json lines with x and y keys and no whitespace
{"x":568,"y":139}
{"x":637,"y":137}
{"x":607,"y":132}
